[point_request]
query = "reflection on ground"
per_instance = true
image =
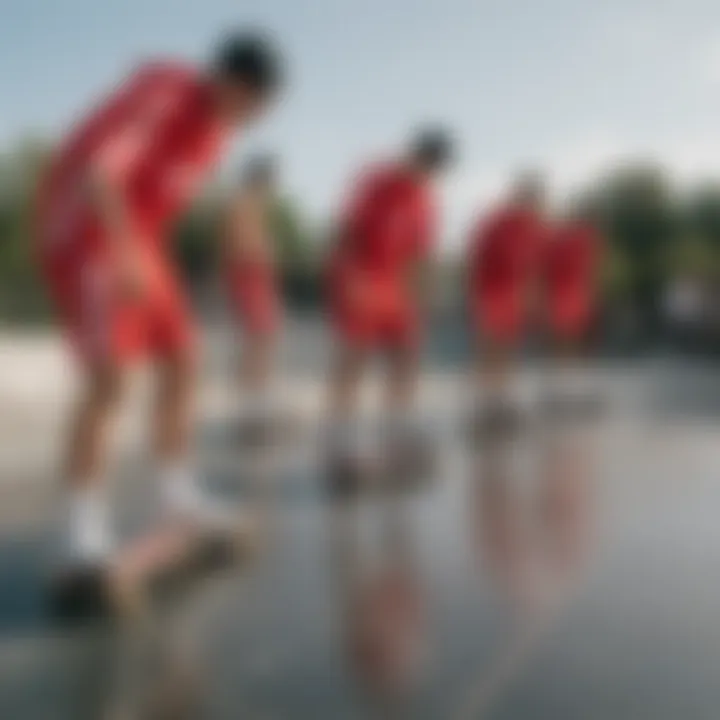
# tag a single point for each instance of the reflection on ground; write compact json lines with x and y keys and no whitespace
{"x":566,"y":572}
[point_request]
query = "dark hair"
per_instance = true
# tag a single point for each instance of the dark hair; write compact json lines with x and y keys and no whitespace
{"x":530,"y":184}
{"x":260,"y":169}
{"x":252,"y":58}
{"x":433,"y":147}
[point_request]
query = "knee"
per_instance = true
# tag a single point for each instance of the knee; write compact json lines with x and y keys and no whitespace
{"x":105,"y":387}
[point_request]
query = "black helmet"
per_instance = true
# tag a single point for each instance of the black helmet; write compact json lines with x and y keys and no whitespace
{"x":250,"y":57}
{"x":259,"y":169}
{"x":433,"y":147}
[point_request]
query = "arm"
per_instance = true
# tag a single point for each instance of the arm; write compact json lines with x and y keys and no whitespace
{"x":246,"y":234}
{"x":109,"y":203}
{"x":107,"y":199}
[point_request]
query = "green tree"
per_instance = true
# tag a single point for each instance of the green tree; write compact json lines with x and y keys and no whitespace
{"x":197,"y":238}
{"x":641,"y":220}
{"x":702,"y":220}
{"x":21,"y":296}
{"x":297,"y":252}
{"x":292,"y":237}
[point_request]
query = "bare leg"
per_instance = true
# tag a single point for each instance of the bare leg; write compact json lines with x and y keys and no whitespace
{"x":407,"y":444}
{"x":402,"y":382}
{"x":90,"y":427}
{"x":256,"y":373}
{"x":496,"y":403}
{"x":174,"y":409}
{"x":492,"y":368}
{"x":86,"y":460}
{"x":256,"y":363}
{"x":570,"y":380}
{"x":342,"y":402}
{"x":345,"y":379}
{"x":173,"y":420}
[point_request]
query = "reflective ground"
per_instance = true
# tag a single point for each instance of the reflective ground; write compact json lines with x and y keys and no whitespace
{"x":569,"y":572}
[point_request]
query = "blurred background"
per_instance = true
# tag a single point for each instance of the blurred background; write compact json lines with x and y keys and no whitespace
{"x":597,"y":597}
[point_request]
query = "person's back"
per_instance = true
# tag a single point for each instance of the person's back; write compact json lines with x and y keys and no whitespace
{"x":385,"y":226}
{"x":155,"y":137}
{"x":572,"y":253}
{"x":506,"y":244}
{"x":115,"y":184}
{"x":571,"y":268}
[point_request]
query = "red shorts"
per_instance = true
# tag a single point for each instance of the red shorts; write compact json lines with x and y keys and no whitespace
{"x":570,"y":310}
{"x":499,"y":312}
{"x":80,"y":275}
{"x":254,"y":299}
{"x":102,"y":324}
{"x":377,"y":329}
{"x":388,"y":321}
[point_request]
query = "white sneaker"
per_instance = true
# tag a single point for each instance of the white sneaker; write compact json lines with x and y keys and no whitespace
{"x":90,"y":538}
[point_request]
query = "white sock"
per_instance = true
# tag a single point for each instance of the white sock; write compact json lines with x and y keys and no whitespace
{"x":91,"y":539}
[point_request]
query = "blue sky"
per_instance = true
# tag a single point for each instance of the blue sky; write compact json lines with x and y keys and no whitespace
{"x":571,"y":84}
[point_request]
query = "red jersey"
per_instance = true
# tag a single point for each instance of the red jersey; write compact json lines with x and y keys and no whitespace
{"x":155,"y":138}
{"x":505,"y":246}
{"x":571,"y":255}
{"x":389,"y":222}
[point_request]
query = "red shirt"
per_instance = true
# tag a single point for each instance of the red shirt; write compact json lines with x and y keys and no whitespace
{"x":572,"y":255}
{"x":505,"y":246}
{"x":389,"y":222}
{"x":156,"y":137}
